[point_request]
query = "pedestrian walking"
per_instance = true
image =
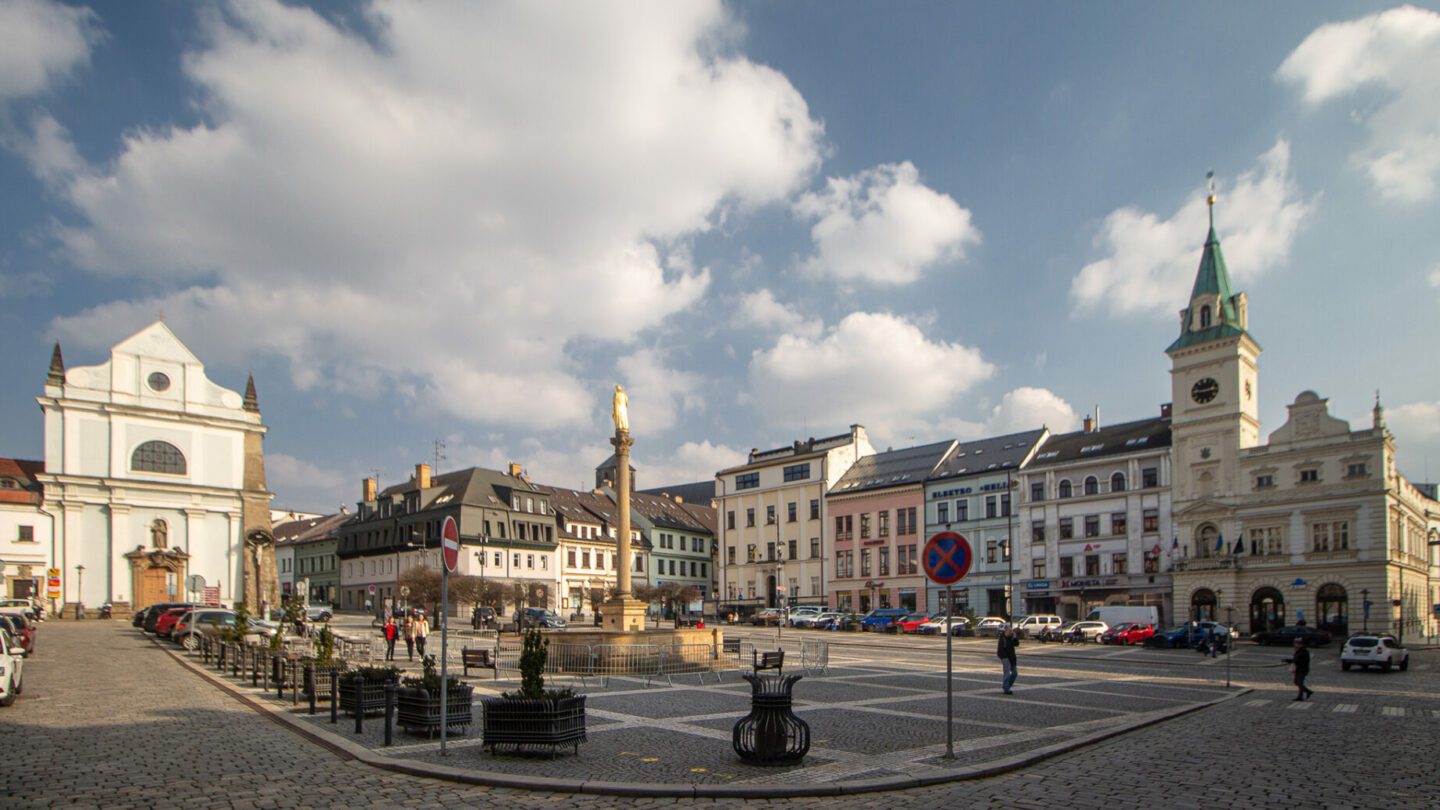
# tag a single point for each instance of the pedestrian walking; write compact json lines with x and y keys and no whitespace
{"x":422,"y":629}
{"x":410,"y":636}
{"x":391,"y":633}
{"x":1300,"y":665}
{"x":1005,"y":651}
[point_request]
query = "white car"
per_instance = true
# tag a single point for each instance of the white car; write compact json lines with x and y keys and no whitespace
{"x":990,"y":626}
{"x":1374,"y":651}
{"x":12,"y":660}
{"x":937,"y":625}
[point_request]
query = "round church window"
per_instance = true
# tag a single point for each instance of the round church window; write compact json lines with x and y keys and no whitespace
{"x":158,"y":381}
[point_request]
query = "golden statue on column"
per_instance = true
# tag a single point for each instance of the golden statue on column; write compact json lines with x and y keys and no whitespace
{"x":620,"y":410}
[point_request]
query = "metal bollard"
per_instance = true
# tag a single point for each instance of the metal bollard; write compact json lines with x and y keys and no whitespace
{"x":359,"y":704}
{"x":235,"y":663}
{"x":389,"y":710}
{"x":279,"y":678}
{"x":266,"y":675}
{"x":295,"y":683}
{"x":310,"y":679}
{"x":254,"y":666}
{"x":334,"y":696}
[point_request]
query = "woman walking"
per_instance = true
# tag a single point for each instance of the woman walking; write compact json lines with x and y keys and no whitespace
{"x":410,"y":635}
{"x":422,"y":629}
{"x":390,"y":632}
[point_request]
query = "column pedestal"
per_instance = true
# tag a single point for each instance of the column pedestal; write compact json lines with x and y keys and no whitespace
{"x":623,"y":614}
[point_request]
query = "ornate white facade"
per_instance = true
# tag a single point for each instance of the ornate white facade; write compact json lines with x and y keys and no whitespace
{"x":145,"y":461}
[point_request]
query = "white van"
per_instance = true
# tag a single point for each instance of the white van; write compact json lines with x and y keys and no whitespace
{"x":1120,"y":614}
{"x":1031,"y":626}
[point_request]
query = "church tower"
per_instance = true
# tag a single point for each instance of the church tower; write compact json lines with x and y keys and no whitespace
{"x":1213,"y":382}
{"x":261,"y":574}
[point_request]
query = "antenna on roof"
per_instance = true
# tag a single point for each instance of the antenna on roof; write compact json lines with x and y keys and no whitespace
{"x":375,"y":473}
{"x":1210,"y":201}
{"x":439,"y":445}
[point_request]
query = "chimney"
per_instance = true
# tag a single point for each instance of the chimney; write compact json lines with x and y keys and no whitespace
{"x":515,"y":469}
{"x":1097,"y":417}
{"x":422,"y":476}
{"x":1089,"y":424}
{"x":1165,"y":410}
{"x":367,"y":490}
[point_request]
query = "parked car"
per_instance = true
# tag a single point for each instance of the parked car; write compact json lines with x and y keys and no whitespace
{"x":767,"y":617}
{"x":153,"y":613}
{"x":990,"y":626}
{"x":911,"y":623}
{"x":958,"y":625}
{"x":540,"y":617}
{"x":138,"y":620}
{"x":1287,"y":635}
{"x":813,"y":620}
{"x":1128,"y":633}
{"x":319,"y":613}
{"x":799,"y":613}
{"x":1374,"y":651}
{"x":881,"y":618}
{"x":202,"y":622}
{"x":1073,"y":632}
{"x":30,"y":609}
{"x":21,"y":630}
{"x":167,"y":620}
{"x":1034,"y":625}
{"x":12,"y":662}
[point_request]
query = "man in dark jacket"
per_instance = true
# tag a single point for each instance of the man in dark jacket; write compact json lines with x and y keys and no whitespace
{"x":1300,"y":665}
{"x":1005,"y":651}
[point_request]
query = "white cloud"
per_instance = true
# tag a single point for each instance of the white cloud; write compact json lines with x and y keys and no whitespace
{"x":41,"y":44}
{"x":1414,"y":422}
{"x":441,"y":214}
{"x":1150,"y":263}
{"x":304,"y":486}
{"x":883,"y":226}
{"x":760,"y":309}
{"x":656,"y":394}
{"x":1028,"y":408}
{"x":691,"y":462}
{"x":876,"y":369}
{"x":1397,"y":50}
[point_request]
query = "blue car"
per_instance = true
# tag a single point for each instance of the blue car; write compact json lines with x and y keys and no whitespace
{"x":881,"y":618}
{"x":1185,"y":636}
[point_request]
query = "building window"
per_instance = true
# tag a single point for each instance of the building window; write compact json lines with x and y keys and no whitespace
{"x":990,"y":506}
{"x":1067,"y":567}
{"x":1037,"y":568}
{"x":769,"y":514}
{"x":942,"y":512}
{"x":747,"y":481}
{"x":794,"y":549}
{"x":865,"y":526}
{"x":1092,"y":487}
{"x":1092,"y":565}
{"x":1150,"y":477}
{"x":517,"y":559}
{"x":791,"y":512}
{"x":884,"y":565}
{"x":797,"y":472}
{"x":1310,"y":476}
{"x":1265,"y":540}
{"x":750,"y":517}
{"x":814,"y":508}
{"x":1037,"y":490}
{"x":1067,"y":528}
{"x":865,"y":563}
{"x":1117,"y":523}
{"x":1150,"y":520}
{"x":730,"y":519}
{"x":883,"y":527}
{"x":1119,"y":563}
{"x":814,"y":547}
{"x":962,"y":511}
{"x":1005,"y":505}
{"x":570,"y":558}
{"x":729,"y":555}
{"x":1117,"y":482}
{"x":992,"y":551}
{"x":1264,"y":481}
{"x":1152,"y":562}
{"x":1092,"y":525}
{"x":844,"y":564}
{"x":1330,"y":535}
{"x":1037,"y":531}
{"x":157,"y":456}
{"x":1065,"y":488}
{"x":1205,"y":316}
{"x":1356,"y":471}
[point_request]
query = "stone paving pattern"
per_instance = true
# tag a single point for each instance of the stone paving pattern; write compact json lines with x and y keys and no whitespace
{"x":109,"y":720}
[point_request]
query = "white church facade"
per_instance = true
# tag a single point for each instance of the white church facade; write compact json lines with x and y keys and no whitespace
{"x":150,"y":472}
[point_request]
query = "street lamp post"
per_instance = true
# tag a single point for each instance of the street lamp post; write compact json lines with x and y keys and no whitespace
{"x":79,"y":591}
{"x":779,"y":588}
{"x":1365,"y":608}
{"x":1009,"y":547}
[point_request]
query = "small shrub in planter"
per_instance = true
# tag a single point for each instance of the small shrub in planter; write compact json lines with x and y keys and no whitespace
{"x":373,"y":681}
{"x":533,"y":716}
{"x":418,"y":702}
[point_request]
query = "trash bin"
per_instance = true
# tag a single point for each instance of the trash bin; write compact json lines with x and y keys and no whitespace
{"x":771,"y":734}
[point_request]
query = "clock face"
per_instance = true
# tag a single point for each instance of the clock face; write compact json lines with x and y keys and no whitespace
{"x":1204,"y":390}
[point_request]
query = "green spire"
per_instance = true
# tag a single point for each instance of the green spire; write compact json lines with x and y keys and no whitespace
{"x":1213,"y":278}
{"x":1213,"y":310}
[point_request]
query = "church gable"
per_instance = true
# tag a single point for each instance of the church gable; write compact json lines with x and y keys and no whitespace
{"x":1309,"y":420}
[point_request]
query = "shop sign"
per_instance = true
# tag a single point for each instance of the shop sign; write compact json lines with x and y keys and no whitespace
{"x":1097,"y":582}
{"x":1037,"y":585}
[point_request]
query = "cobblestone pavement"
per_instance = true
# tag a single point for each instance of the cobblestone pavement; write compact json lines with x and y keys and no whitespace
{"x":109,"y":720}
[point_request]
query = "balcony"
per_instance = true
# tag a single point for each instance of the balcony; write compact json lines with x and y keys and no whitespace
{"x":1205,"y":564}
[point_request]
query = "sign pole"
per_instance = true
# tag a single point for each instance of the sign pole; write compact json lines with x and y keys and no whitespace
{"x":949,"y":674}
{"x":946,"y":560}
{"x":444,"y":654}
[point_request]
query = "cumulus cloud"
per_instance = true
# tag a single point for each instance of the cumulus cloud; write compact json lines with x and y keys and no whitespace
{"x":307,"y":487}
{"x":657,"y":394}
{"x":442,"y":211}
{"x":41,"y":44}
{"x":691,"y":462}
{"x":1414,"y":422}
{"x":883,"y":226}
{"x":1150,"y":262}
{"x":1024,"y":408}
{"x":760,"y":310}
{"x":1397,"y":51}
{"x":876,"y":369}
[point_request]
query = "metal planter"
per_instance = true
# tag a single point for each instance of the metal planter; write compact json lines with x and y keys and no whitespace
{"x":522,"y":724}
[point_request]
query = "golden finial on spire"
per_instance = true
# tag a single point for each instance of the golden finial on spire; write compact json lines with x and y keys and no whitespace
{"x":1210,"y":201}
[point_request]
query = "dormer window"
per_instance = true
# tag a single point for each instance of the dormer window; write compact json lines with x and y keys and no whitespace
{"x":1205,"y":317}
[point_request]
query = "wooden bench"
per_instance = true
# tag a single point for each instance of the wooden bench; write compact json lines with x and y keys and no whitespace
{"x":478,"y":659}
{"x":768,"y":660}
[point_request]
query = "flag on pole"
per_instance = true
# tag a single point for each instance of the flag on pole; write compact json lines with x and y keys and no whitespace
{"x":1220,"y":543}
{"x":1174,"y":546}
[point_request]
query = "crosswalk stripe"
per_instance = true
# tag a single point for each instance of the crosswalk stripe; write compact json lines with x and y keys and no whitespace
{"x":1393,"y":711}
{"x":1345,"y":708}
{"x":1257,"y":703}
{"x":1301,"y":705}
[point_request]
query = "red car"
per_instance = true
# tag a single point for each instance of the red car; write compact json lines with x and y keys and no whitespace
{"x":1128,"y":633}
{"x":21,"y":629}
{"x":911,"y":623}
{"x":166,"y":622}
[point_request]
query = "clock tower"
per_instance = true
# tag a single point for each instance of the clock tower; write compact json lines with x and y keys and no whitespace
{"x":1213,"y":382}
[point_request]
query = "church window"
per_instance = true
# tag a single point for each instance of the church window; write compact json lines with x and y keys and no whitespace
{"x":1205,"y":317}
{"x":158,"y":456}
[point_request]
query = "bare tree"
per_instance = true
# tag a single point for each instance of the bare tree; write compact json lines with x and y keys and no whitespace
{"x":677,"y":596}
{"x":424,"y":584}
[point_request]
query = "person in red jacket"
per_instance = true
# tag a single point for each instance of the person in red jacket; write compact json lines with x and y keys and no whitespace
{"x":391,"y":633}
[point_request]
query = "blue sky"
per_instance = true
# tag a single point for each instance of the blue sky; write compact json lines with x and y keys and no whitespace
{"x":466,"y":222}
